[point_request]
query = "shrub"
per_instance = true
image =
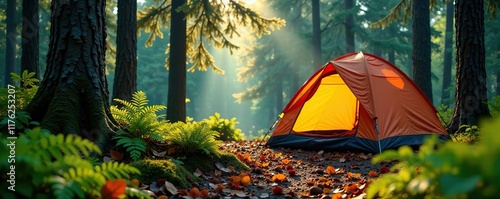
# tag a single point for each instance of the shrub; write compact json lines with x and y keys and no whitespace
{"x":140,"y":124}
{"x":225,"y":127}
{"x":54,"y":166}
{"x":193,"y":138}
{"x":446,"y":170}
{"x":23,"y":94}
{"x":469,"y":135}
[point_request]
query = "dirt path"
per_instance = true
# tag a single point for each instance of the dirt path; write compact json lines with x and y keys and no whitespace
{"x":305,"y":174}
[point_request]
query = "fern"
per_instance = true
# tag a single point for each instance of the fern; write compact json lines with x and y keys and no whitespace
{"x":139,"y":122}
{"x":194,"y":138}
{"x":135,"y":146}
{"x":53,"y":166}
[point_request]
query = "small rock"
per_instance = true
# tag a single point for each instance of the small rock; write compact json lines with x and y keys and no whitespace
{"x":315,"y":190}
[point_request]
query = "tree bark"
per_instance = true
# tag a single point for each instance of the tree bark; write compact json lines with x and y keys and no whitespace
{"x":73,"y":96}
{"x":125,"y":82}
{"x":176,"y":104}
{"x":316,"y":37}
{"x":421,"y":47}
{"x":30,"y":49}
{"x":10,"y":51}
{"x":470,"y":89}
{"x":349,"y":27}
{"x":448,"y":48}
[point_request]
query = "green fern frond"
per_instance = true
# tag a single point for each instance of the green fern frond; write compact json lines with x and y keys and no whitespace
{"x":136,"y":193}
{"x":115,"y":170}
{"x":56,"y":146}
{"x":135,"y":146}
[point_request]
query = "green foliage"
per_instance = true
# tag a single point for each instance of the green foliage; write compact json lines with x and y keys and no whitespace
{"x":216,"y":23}
{"x":225,"y":127}
{"x":494,"y":106}
{"x":23,"y":95}
{"x":140,"y":123}
{"x":193,"y":138}
{"x":445,"y":113}
{"x":468,"y":135}
{"x":22,"y":121}
{"x":135,"y":146}
{"x":446,"y":170}
{"x":151,"y":170}
{"x":55,"y":166}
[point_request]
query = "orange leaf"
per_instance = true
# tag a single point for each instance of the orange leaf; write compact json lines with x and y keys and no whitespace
{"x":353,"y":175}
{"x":277,"y":155}
{"x":278,"y":177}
{"x":337,"y":196}
{"x":182,"y":192}
{"x":351,"y":188}
{"x":235,"y":179}
{"x":204,"y":193}
{"x":247,"y":156}
{"x":245,"y":181}
{"x":285,"y":161}
{"x":330,"y":170}
{"x":323,"y":179}
{"x":194,"y":192}
{"x":265,"y":164}
{"x":113,"y":189}
{"x":372,"y":173}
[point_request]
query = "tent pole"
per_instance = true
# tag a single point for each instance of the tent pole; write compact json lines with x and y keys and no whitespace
{"x":275,"y":122}
{"x":378,"y":136}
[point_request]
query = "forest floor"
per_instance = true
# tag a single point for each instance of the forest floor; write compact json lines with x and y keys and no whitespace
{"x":290,"y":173}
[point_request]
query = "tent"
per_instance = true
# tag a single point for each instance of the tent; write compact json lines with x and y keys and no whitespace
{"x":357,"y":101}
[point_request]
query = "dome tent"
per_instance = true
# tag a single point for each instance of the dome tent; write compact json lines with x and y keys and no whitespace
{"x":357,"y":101}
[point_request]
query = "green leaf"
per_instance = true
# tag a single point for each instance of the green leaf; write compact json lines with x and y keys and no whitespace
{"x":453,"y":184}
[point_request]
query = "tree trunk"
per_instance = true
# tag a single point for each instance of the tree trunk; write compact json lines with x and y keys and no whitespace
{"x":73,"y":96}
{"x":349,"y":26}
{"x":421,"y":47}
{"x":125,"y":82}
{"x":176,"y":105}
{"x":448,"y":48}
{"x":316,"y":37}
{"x":30,"y":52}
{"x":391,"y":56}
{"x":10,"y":51}
{"x":471,"y":73}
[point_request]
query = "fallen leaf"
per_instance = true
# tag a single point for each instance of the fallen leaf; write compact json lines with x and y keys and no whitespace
{"x":197,"y":172}
{"x":330,"y":170}
{"x":337,"y":196}
{"x":159,"y":154}
{"x":372,"y":173}
{"x":351,"y":188}
{"x":285,"y":161}
{"x":278,"y":177}
{"x":113,"y":189}
{"x":116,"y":155}
{"x":222,"y":167}
{"x":327,"y":191}
{"x":342,"y":160}
{"x":135,"y":182}
{"x":194,"y":192}
{"x":171,"y":188}
{"x":384,"y":170}
{"x":277,"y":190}
{"x":321,"y":152}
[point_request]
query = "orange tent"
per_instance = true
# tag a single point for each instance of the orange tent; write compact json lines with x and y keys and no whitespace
{"x":357,"y":101}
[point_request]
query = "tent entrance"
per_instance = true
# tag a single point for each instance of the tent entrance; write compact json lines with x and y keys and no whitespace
{"x":331,"y":112}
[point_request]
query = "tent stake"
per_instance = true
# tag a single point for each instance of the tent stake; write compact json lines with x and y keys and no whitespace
{"x":378,"y":136}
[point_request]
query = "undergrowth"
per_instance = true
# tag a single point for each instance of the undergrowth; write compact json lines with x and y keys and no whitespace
{"x":225,"y":127}
{"x":193,"y":138}
{"x":443,"y":170}
{"x":140,"y":124}
{"x":57,"y":166}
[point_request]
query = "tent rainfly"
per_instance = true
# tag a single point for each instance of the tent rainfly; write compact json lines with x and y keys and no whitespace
{"x":357,"y":102}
